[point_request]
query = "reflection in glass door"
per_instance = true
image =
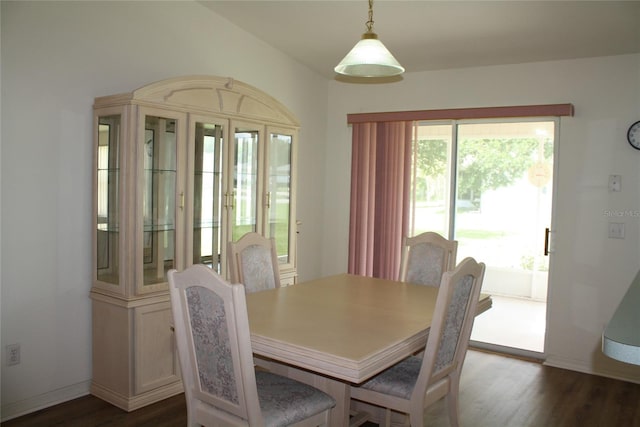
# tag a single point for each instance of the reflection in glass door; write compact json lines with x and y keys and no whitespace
{"x":501,"y":176}
{"x":431,"y":179}
{"x":245,"y":203}
{"x":208,"y":195}
{"x":279,"y":193}
{"x":108,"y":191}
{"x":158,"y":198}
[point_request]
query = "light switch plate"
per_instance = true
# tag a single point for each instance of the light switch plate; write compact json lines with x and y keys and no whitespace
{"x":616,"y":230}
{"x":615,"y":183}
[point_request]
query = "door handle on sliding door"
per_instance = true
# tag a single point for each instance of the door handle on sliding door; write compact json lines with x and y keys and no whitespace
{"x":546,"y":241}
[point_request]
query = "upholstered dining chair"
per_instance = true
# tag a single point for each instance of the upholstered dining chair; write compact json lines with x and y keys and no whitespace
{"x":253,"y":261}
{"x":214,"y":347}
{"x":426,"y":257}
{"x":417,"y":382}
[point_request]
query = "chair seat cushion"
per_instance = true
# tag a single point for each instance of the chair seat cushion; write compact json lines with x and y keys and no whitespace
{"x":284,"y":401}
{"x":399,"y":380}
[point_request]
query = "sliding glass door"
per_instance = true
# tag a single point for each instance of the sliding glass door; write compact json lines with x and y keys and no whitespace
{"x":489,"y":185}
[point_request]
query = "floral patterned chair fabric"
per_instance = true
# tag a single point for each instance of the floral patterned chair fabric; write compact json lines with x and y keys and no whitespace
{"x":417,"y":382}
{"x":253,"y":261}
{"x":214,"y":347}
{"x":426,"y":257}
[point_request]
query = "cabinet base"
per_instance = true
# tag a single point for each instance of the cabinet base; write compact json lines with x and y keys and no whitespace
{"x":131,"y":403}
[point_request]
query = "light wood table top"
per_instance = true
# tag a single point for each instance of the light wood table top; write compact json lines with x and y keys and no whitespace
{"x":345,"y":326}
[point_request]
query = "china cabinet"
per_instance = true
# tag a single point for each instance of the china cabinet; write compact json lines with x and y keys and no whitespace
{"x":181,"y":167}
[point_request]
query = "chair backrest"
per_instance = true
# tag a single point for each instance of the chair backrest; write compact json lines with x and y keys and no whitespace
{"x":214,"y":346}
{"x":253,"y":261}
{"x":426,"y":257}
{"x":450,"y":331}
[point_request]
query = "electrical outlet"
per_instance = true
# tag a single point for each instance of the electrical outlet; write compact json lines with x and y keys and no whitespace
{"x":13,"y":354}
{"x":616,"y":230}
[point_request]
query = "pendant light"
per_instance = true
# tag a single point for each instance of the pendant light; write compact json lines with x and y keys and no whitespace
{"x":369,"y":57}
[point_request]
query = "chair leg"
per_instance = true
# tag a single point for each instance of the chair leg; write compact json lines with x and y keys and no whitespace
{"x":387,"y":418}
{"x":452,"y":400}
{"x":416,"y":418}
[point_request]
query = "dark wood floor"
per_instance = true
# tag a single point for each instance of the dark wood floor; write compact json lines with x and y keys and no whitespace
{"x":496,"y":391}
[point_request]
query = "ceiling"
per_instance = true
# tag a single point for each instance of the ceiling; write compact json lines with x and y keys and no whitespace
{"x":437,"y":35}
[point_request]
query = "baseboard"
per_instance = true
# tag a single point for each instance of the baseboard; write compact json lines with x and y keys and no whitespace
{"x":131,"y":403}
{"x":507,"y":351}
{"x":570,"y":364}
{"x":32,"y":404}
{"x":579,"y":366}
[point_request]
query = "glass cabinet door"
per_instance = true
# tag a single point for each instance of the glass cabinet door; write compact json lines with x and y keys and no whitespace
{"x":245,"y":193}
{"x":158,"y":198}
{"x":278,"y":193}
{"x":208,"y":195}
{"x":107,"y":191}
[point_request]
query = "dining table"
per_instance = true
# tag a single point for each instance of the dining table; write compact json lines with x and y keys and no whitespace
{"x":341,"y":330}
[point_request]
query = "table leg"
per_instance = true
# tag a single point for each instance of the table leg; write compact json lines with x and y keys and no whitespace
{"x":340,"y":391}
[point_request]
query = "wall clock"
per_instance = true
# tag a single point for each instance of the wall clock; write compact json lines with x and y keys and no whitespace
{"x":633,"y":135}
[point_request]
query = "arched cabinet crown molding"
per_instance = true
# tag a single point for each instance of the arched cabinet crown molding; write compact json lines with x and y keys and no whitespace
{"x":209,"y":94}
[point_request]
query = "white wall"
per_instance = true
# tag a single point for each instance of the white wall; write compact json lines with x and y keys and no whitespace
{"x":590,"y":273}
{"x":56,"y":57}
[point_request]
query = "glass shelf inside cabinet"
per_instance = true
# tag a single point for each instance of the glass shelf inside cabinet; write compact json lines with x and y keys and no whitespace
{"x":245,"y":181}
{"x":159,"y":198}
{"x":107,"y":221}
{"x":279,"y":193}
{"x":208,"y":198}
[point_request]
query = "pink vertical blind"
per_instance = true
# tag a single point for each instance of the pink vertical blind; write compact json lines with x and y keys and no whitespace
{"x":380,"y":185}
{"x":363,"y":176}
